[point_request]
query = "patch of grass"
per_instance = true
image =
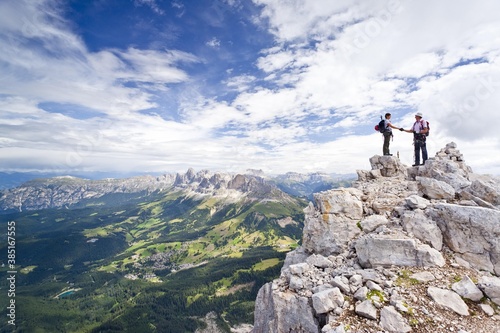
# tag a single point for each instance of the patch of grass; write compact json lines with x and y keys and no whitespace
{"x":265,"y":264}
{"x":413,"y":322}
{"x":404,"y":279}
{"x":375,"y":293}
{"x":28,"y":269}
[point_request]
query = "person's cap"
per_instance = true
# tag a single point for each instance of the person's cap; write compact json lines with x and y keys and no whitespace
{"x":418,"y":114}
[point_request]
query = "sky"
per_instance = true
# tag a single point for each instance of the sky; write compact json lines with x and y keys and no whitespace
{"x":154,"y":86}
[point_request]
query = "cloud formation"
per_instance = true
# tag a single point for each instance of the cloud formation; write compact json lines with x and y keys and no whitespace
{"x":307,"y":102}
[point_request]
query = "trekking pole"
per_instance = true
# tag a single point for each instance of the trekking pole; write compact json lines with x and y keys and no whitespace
{"x":413,"y":151}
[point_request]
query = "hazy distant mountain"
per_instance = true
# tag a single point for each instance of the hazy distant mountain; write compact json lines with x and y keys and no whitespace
{"x":304,"y":185}
{"x":14,"y":179}
{"x":64,"y":191}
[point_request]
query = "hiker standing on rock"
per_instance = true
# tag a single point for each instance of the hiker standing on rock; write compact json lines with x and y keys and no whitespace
{"x":387,"y":132}
{"x":419,"y":130}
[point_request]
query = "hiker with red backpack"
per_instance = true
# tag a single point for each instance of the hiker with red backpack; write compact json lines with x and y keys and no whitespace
{"x":420,"y":130}
{"x":385,"y":127}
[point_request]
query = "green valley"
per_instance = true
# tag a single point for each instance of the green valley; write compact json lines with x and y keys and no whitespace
{"x":151,"y":261}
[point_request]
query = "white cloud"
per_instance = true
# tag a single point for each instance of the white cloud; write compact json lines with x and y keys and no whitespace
{"x":241,"y":83}
{"x":334,"y":67}
{"x":151,"y":4}
{"x":214,"y":42}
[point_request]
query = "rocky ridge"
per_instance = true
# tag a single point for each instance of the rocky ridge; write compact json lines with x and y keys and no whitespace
{"x":404,"y":250}
{"x":66,"y":191}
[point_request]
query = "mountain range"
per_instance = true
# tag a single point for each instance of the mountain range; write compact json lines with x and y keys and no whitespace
{"x":149,"y":253}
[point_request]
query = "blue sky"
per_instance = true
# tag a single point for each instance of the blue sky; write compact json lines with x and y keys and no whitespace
{"x":130,"y":86}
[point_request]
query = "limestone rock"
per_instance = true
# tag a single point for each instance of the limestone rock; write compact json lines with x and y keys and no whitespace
{"x":295,"y":257}
{"x":327,"y":300}
{"x":449,"y":300}
{"x":366,"y":309}
{"x":282,"y":312}
{"x":318,"y":260}
{"x":389,"y":166}
{"x":486,"y":188}
{"x":361,"y":293}
{"x":387,"y":250}
{"x":487,"y":309}
{"x":328,"y":229}
{"x":392,"y":321}
{"x":414,"y":201}
{"x":423,"y":277}
{"x":345,"y":202}
{"x":372,"y":222}
{"x":358,"y":240}
{"x":435,"y":189}
{"x":467,"y":289}
{"x":490,"y":285}
{"x":473,"y":232}
{"x":423,"y":228}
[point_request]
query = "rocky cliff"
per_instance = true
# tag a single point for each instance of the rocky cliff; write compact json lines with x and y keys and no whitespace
{"x":404,"y":250}
{"x":66,"y":191}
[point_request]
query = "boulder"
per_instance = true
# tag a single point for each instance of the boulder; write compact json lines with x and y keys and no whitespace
{"x":423,"y":228}
{"x":330,"y":225}
{"x":467,"y":289}
{"x":490,"y":285}
{"x":415,"y":201}
{"x":282,"y":312}
{"x":474,"y":232}
{"x":389,"y":166}
{"x":486,"y":188}
{"x":372,"y":222}
{"x":448,"y":300}
{"x":366,"y":309}
{"x":327,"y":300}
{"x":392,"y":321}
{"x":397,"y":249}
{"x":435,"y":189}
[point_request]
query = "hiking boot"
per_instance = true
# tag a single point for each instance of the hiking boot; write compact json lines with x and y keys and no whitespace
{"x":387,"y":154}
{"x":416,"y":165}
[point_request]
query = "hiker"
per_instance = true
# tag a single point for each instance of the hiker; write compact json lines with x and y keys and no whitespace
{"x":387,"y":132}
{"x":419,"y":130}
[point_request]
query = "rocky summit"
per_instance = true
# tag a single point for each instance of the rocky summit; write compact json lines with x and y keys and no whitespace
{"x":405,"y":249}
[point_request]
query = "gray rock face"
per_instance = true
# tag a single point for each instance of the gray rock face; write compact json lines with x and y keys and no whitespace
{"x":389,"y":166}
{"x":449,"y":300}
{"x":435,"y":189}
{"x":415,"y":201}
{"x":486,"y":188}
{"x":327,"y":300}
{"x":372,"y":222}
{"x":467,"y":289}
{"x":491,"y":287}
{"x":473,"y":232}
{"x":282,"y":312}
{"x":388,"y":250}
{"x":333,"y":223}
{"x":361,"y":243}
{"x":392,"y":321}
{"x":366,"y":309}
{"x":423,"y":228}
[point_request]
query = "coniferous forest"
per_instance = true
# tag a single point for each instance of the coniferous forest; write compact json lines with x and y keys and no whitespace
{"x":155,"y":262}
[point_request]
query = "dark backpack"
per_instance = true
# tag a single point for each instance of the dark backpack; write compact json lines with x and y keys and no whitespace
{"x":381,"y":126}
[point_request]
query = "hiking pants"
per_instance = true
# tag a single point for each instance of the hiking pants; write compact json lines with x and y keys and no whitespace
{"x":387,"y":141}
{"x":420,"y":145}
